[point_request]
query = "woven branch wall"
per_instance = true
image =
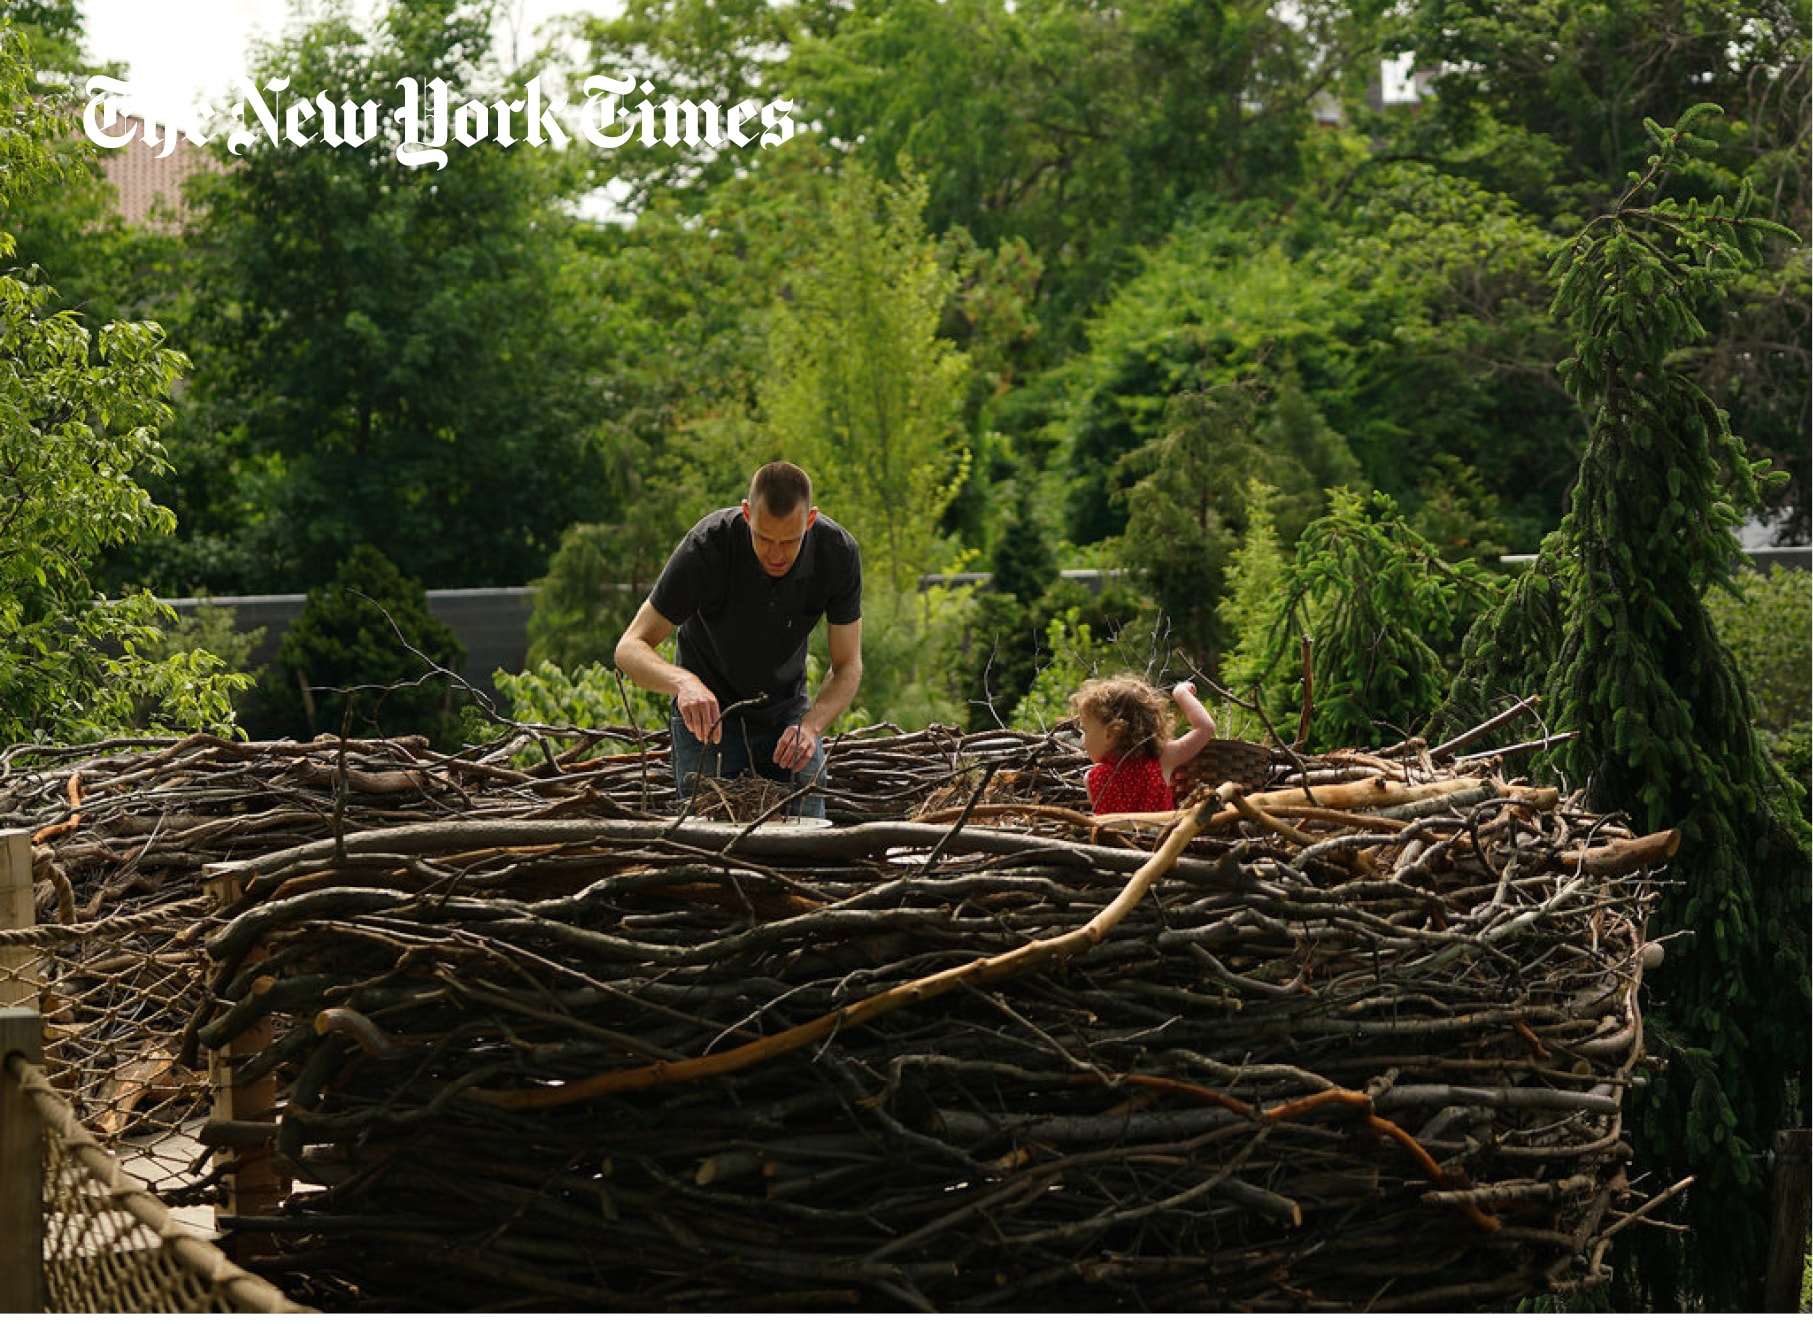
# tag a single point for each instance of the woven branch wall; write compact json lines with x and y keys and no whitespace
{"x":1364,"y":1043}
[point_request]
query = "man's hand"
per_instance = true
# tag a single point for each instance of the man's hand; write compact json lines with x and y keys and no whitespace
{"x":636,"y":658}
{"x":794,"y":749}
{"x":698,"y":709}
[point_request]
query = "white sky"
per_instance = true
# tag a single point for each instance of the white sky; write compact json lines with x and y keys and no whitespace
{"x":180,"y":49}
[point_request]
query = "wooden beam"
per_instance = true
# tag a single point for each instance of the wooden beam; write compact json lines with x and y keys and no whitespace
{"x":18,"y":965}
{"x":21,"y":1169}
{"x":252,"y":1187}
{"x":1789,"y":1190}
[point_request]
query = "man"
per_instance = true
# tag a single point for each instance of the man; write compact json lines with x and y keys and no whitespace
{"x":745,"y":589}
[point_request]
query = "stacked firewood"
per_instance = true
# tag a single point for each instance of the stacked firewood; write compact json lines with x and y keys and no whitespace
{"x":545,"y":1038}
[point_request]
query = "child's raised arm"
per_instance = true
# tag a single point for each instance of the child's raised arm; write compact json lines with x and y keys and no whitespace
{"x":1202,"y":730}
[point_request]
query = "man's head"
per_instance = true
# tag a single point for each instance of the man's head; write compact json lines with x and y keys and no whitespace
{"x":778,"y":511}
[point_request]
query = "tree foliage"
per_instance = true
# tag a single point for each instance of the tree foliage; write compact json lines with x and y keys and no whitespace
{"x":589,"y":695}
{"x":1547,"y":103}
{"x":386,"y":354}
{"x":1402,"y":323}
{"x":1024,"y":565}
{"x":1385,"y":616}
{"x":861,"y":389}
{"x":101,"y":266}
{"x":1253,"y":604}
{"x":581,"y":604}
{"x":1182,"y":514}
{"x":80,"y":410}
{"x":1767,"y":622}
{"x":1612,"y":625}
{"x":365,"y":658}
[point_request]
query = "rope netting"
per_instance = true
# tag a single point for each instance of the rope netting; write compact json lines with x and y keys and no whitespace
{"x":110,"y":1246}
{"x":1357,"y":1033}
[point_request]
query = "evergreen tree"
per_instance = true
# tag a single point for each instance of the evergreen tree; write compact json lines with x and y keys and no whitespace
{"x":1254,"y":601}
{"x":365,"y":658}
{"x":1611,"y":624}
{"x":1181,"y":508}
{"x":1386,"y":616}
{"x":1024,"y":565}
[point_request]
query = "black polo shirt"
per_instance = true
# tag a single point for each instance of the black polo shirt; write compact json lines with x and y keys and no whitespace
{"x":743,"y":631}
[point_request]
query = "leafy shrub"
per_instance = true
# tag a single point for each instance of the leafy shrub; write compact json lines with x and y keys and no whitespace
{"x":580,"y":608}
{"x":1767,"y":623}
{"x":590,"y":695}
{"x":364,"y":656}
{"x":1386,"y":614}
{"x":1006,"y":644}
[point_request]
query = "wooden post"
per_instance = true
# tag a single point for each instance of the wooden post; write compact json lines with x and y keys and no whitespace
{"x":1789,"y":1191}
{"x":18,"y":965}
{"x":21,"y":1170}
{"x":254,"y":1186}
{"x":21,"y":1131}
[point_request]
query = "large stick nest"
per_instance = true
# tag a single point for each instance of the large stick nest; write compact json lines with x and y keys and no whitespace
{"x":1364,"y":1041}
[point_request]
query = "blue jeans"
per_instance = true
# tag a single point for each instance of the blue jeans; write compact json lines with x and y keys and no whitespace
{"x":746,"y":743}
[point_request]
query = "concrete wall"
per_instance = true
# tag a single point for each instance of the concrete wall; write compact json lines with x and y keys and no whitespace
{"x":491,"y":623}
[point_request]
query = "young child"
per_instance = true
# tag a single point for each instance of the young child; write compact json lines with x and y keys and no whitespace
{"x":1125,"y":722}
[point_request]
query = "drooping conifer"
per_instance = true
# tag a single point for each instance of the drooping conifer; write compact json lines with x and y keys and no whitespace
{"x":1611,"y":627}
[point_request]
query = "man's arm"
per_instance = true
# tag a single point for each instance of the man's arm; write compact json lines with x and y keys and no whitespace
{"x":636,"y":658}
{"x":794,"y":749}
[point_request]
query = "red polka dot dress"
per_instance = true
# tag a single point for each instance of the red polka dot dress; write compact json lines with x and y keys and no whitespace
{"x":1132,"y":785}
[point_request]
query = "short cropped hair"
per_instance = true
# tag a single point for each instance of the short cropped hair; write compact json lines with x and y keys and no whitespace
{"x":780,"y":488}
{"x":1132,"y":714}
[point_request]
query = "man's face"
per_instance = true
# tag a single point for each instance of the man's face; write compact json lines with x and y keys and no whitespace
{"x":778,"y":538}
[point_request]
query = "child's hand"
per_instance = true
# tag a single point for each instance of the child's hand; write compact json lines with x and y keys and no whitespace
{"x":1182,"y":688}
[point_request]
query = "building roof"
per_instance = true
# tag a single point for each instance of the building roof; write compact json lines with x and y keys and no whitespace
{"x":146,"y":179}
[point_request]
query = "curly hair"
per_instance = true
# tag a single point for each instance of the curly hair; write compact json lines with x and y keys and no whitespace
{"x":1131,"y":712}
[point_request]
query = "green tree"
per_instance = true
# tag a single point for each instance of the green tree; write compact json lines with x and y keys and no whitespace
{"x":1547,"y":101}
{"x":597,"y":579}
{"x":364,"y":657}
{"x":1085,"y":130}
{"x":104,"y":268}
{"x":722,"y":51}
{"x":1080,"y":130}
{"x":1254,"y":602}
{"x":1400,"y":321}
{"x":387,"y":354}
{"x":1767,"y":622}
{"x":1184,"y":512}
{"x":79,"y":416}
{"x":861,"y":389}
{"x":1611,"y":624}
{"x":1386,"y":616}
{"x":1024,"y":565}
